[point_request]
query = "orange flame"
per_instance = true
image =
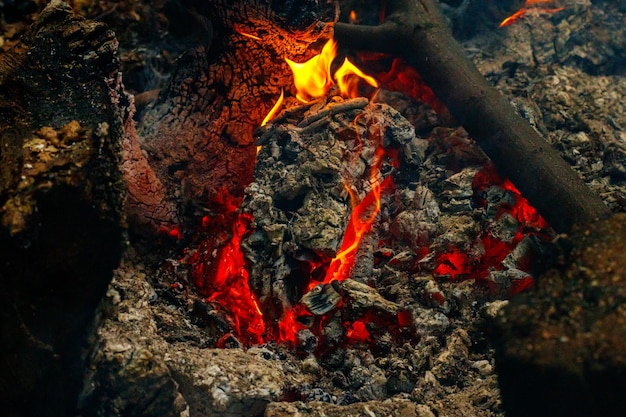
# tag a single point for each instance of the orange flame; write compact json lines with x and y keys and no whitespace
{"x":361,"y":221}
{"x":352,"y":17}
{"x":540,"y":6}
{"x":274,"y":109}
{"x":348,"y":76}
{"x":513,"y":18}
{"x":313,"y":78}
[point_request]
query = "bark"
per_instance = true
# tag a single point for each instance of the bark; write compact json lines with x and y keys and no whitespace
{"x":417,"y":31}
{"x":199,"y":133}
{"x":61,"y":196}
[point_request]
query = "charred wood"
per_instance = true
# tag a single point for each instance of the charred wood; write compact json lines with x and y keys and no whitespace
{"x":199,"y":133}
{"x":61,"y":197}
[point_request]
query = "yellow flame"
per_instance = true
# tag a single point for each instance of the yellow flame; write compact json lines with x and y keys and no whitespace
{"x":348,"y":76}
{"x":274,"y":109}
{"x":312,"y":78}
{"x":247,"y":35}
{"x":513,"y":18}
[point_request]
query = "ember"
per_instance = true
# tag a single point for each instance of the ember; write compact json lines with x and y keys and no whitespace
{"x":534,"y":6}
{"x":489,"y":251}
{"x":220,"y":274}
{"x":307,"y":295}
{"x":361,"y":263}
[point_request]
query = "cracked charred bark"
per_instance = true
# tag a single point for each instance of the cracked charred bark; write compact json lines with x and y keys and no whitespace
{"x":417,"y":31}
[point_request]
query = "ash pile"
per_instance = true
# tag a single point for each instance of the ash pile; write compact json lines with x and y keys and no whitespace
{"x":403,"y":332}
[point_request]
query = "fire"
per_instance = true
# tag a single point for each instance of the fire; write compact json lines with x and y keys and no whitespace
{"x":231,"y":287}
{"x":274,"y":109}
{"x":247,"y":35}
{"x":539,"y":6}
{"x":348,"y":76}
{"x":219,"y":272}
{"x":361,"y":220}
{"x":352,"y":17}
{"x":458,"y":265}
{"x":313,"y":78}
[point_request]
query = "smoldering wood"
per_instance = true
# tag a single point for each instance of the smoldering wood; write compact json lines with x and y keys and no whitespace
{"x":61,"y":196}
{"x":418,"y":32}
{"x":198,"y":135}
{"x":564,"y":314}
{"x":298,"y":198}
{"x":155,"y":362}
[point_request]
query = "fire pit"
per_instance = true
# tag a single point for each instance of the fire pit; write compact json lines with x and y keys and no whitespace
{"x":325,"y":239}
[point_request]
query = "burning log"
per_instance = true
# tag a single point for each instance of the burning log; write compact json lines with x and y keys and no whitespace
{"x":198,"y":135}
{"x":310,"y":168}
{"x":61,"y":197}
{"x":417,"y":31}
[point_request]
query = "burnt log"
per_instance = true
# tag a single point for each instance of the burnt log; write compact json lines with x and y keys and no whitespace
{"x":61,"y":199}
{"x":198,"y":135}
{"x":418,"y":32}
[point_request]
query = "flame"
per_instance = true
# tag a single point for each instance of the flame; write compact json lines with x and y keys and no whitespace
{"x":272,"y":113}
{"x":352,"y":18}
{"x":359,"y":224}
{"x":274,"y":109}
{"x":247,"y":35}
{"x":313,"y":78}
{"x":513,"y":18}
{"x":348,"y":76}
{"x":361,"y":220}
{"x":539,"y":6}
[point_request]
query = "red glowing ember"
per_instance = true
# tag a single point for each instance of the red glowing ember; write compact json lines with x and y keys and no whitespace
{"x":357,"y":332}
{"x":404,"y":78}
{"x":521,"y":209}
{"x":456,"y":264}
{"x":219,"y":272}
